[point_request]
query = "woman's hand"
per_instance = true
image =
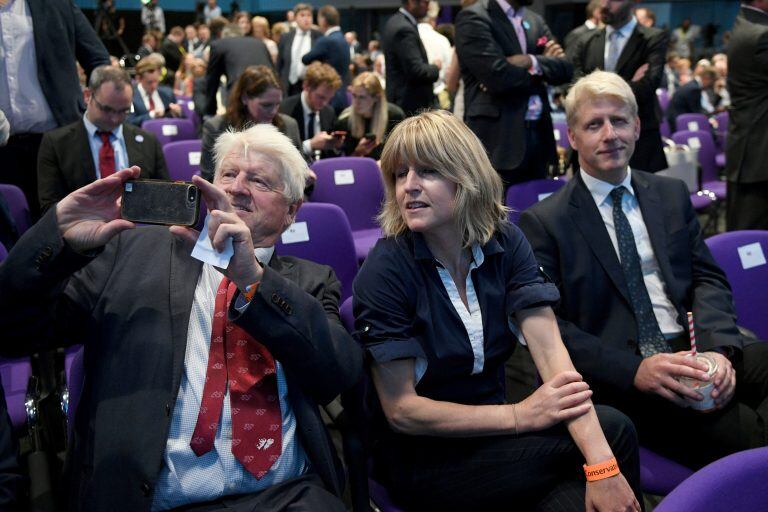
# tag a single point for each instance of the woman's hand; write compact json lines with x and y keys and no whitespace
{"x":364,"y":147}
{"x":611,"y":494}
{"x":565,"y":396}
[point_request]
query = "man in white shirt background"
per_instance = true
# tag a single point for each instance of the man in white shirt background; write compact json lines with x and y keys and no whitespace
{"x":293,"y":46}
{"x":150,"y":99}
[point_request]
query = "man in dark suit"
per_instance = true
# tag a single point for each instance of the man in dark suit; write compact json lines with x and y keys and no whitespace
{"x":508,"y":56}
{"x":42,"y":88}
{"x":201,"y":385}
{"x":150,"y":99}
{"x":592,"y":22}
{"x":173,"y":52}
{"x":637,"y":54}
{"x":695,"y":97}
{"x":626,"y":251}
{"x":74,"y":155}
{"x":332,"y":49}
{"x":292,"y":48}
{"x":745,"y":167}
{"x":410,"y":76}
{"x":314,"y":115}
{"x":230,"y":56}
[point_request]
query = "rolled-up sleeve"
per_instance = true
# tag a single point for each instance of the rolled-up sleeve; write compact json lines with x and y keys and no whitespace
{"x":384,"y":306}
{"x":527,"y":285}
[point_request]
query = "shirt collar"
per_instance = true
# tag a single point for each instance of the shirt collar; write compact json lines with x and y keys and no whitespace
{"x":507,"y":9}
{"x":409,"y":16}
{"x":421,"y":250}
{"x":625,"y":31}
{"x":92,"y":129}
{"x":264,"y":254}
{"x":600,"y":189}
{"x":591,"y":25}
{"x":305,"y":105}
{"x":332,"y":30}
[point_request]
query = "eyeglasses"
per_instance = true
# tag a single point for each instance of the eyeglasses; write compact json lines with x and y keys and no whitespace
{"x":109,"y":110}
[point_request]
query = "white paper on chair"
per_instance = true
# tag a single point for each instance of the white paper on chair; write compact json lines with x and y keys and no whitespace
{"x":693,"y":126}
{"x":169,"y":130}
{"x":205,"y":252}
{"x":544,"y":195}
{"x":751,"y":255}
{"x":296,"y":233}
{"x":694,"y":143}
{"x":191,"y":105}
{"x":344,"y":177}
{"x":557,"y":134}
{"x":194,"y":158}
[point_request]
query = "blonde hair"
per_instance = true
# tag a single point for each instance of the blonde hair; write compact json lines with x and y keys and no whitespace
{"x":267,"y":140}
{"x":379,"y":113}
{"x":598,"y":84}
{"x":438,"y":140}
{"x":261,"y":22}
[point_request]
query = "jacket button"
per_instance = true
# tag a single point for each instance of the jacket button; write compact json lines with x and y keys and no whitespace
{"x":288,"y":309}
{"x":145,"y":489}
{"x":167,"y":409}
{"x":275,"y":299}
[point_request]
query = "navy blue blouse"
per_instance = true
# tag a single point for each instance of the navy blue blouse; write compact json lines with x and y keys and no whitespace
{"x":403,"y":311}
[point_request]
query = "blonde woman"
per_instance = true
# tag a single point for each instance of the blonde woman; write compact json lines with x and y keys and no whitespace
{"x":260,"y":27}
{"x":439,"y":304}
{"x":369,"y":119}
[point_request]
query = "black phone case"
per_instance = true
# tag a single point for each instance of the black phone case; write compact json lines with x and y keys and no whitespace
{"x":161,"y":202}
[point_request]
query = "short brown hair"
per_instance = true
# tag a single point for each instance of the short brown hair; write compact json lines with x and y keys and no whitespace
{"x":147,"y":65}
{"x":302,"y":7}
{"x":330,"y":14}
{"x":319,"y":73}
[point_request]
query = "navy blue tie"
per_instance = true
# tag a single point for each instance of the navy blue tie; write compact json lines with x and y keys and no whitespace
{"x":650,"y":339}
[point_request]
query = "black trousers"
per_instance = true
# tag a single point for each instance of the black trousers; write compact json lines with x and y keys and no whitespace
{"x":305,"y":493}
{"x":18,"y":166}
{"x":534,"y":471}
{"x":747,"y":205}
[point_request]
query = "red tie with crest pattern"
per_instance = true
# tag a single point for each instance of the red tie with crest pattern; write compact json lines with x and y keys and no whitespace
{"x":235,"y":358}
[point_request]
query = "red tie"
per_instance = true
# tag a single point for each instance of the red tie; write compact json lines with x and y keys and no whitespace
{"x":151,"y":103}
{"x":106,"y":155}
{"x":250,"y":370}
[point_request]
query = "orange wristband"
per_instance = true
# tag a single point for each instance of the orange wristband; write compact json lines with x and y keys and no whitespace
{"x":250,"y":290}
{"x":601,"y":470}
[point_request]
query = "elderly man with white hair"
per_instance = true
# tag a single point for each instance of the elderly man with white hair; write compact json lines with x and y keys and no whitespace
{"x":202,"y":384}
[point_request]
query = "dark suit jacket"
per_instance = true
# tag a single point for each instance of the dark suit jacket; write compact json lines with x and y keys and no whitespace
{"x":173,"y":56}
{"x":141,"y":111}
{"x":334,"y":51}
{"x":130,"y":306}
{"x":748,"y":87}
{"x":596,"y":318}
{"x":495,"y":92}
{"x":63,"y":36}
{"x":284,"y":56}
{"x":645,"y":45}
{"x":573,"y":37}
{"x":410,"y":76}
{"x":291,"y":106}
{"x":64,"y":161}
{"x":685,"y":100}
{"x":230,"y":56}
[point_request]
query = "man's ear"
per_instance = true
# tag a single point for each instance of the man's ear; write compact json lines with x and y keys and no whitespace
{"x":637,"y":128}
{"x":87,"y":94}
{"x":572,"y":139}
{"x":293,"y":209}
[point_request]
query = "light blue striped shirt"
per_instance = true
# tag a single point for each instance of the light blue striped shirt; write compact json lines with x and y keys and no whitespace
{"x":186,"y":478}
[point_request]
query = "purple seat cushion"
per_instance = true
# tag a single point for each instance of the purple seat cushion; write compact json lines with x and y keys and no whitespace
{"x":381,"y":497}
{"x":720,"y":159}
{"x":659,"y":475}
{"x":365,"y":239}
{"x":15,"y":374}
{"x":700,"y":202}
{"x":717,"y":187}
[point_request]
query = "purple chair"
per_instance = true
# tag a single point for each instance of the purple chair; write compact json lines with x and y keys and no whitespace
{"x":15,"y":374}
{"x":18,"y":206}
{"x":321,"y":234}
{"x":663,"y":97}
{"x":183,"y":159}
{"x":666,"y":132}
{"x":692,"y":123}
{"x":170,"y":129}
{"x":736,"y":483}
{"x":659,"y":475}
{"x":524,"y":195}
{"x":734,"y":251}
{"x":73,"y":369}
{"x":188,"y":109}
{"x":356,"y":186}
{"x":703,"y":141}
{"x":560,"y":131}
{"x":3,"y":252}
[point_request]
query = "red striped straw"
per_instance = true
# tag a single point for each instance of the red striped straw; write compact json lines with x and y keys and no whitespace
{"x":693,"y":334}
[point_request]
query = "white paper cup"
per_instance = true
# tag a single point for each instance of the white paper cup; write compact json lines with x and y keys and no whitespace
{"x":703,"y":387}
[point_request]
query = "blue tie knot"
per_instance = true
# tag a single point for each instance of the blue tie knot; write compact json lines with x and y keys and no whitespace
{"x":616,"y":195}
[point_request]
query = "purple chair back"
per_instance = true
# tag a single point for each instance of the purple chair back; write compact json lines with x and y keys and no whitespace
{"x":659,"y":475}
{"x":692,"y":122}
{"x":3,"y":252}
{"x":736,"y":483}
{"x":560,"y":131}
{"x":722,"y":119}
{"x":183,"y":159}
{"x":170,"y":129}
{"x":352,"y":183}
{"x":664,"y":128}
{"x":739,"y":254}
{"x":18,"y":206}
{"x":188,"y":109}
{"x":75,"y":373}
{"x":321,"y":234}
{"x":15,"y":375}
{"x":525,"y":195}
{"x":663,"y":97}
{"x":347,"y":317}
{"x":701,"y":140}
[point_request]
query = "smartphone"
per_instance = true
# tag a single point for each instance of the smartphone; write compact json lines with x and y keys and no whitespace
{"x":161,"y":202}
{"x":370,"y":136}
{"x":339,"y":134}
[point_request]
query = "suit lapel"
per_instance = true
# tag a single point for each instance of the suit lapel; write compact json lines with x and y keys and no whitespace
{"x":183,"y":278}
{"x":629,"y":49}
{"x":500,"y":20}
{"x":133,"y":148}
{"x":88,"y":173}
{"x":587,"y":218}
{"x":298,"y":115}
{"x":597,"y":51}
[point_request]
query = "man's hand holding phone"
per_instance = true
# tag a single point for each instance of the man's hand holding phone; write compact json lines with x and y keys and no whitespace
{"x":89,"y":217}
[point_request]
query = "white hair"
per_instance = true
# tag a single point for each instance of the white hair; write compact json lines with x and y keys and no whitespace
{"x":267,"y":140}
